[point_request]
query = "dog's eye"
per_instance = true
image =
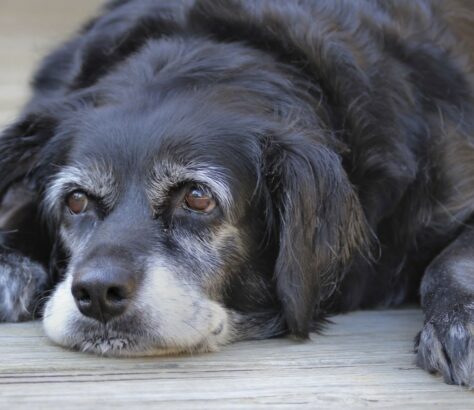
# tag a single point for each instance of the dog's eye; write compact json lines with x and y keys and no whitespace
{"x":77,"y":202}
{"x":198,"y":200}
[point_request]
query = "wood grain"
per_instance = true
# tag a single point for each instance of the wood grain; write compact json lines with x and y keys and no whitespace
{"x":364,"y":360}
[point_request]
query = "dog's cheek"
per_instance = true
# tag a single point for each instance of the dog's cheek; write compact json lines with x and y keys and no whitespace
{"x":178,"y":314}
{"x":60,"y":314}
{"x":213,"y":259}
{"x":75,"y":242}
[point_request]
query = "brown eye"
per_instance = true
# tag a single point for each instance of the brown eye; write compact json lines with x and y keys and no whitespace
{"x":77,"y":202}
{"x":198,"y":200}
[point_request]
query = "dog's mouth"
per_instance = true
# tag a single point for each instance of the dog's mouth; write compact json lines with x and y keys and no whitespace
{"x":125,"y":345}
{"x":130,"y":337}
{"x":106,"y":340}
{"x":115,"y":338}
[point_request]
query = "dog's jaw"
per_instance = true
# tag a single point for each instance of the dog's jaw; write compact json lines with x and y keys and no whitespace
{"x":168,"y":319}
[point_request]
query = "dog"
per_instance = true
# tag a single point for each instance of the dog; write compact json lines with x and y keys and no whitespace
{"x":192,"y":173}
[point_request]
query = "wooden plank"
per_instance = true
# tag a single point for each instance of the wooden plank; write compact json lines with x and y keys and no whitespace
{"x":365,"y":359}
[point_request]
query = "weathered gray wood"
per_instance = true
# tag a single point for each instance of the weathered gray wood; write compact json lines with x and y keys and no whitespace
{"x":364,"y":360}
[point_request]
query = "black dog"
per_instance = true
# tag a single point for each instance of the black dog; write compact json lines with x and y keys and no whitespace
{"x":195,"y":172}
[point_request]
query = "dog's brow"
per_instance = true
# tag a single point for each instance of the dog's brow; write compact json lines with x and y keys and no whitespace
{"x":95,"y":178}
{"x":167,"y":175}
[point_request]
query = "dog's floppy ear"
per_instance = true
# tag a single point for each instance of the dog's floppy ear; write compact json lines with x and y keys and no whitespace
{"x":319,"y":220}
{"x":20,"y":146}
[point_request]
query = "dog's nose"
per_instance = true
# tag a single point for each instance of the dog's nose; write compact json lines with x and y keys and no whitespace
{"x":103,"y":295}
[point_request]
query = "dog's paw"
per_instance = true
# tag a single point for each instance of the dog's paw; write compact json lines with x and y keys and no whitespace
{"x":446,"y":345}
{"x":22,"y":282}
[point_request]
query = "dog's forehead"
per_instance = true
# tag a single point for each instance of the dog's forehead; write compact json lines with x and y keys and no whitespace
{"x":166,"y":146}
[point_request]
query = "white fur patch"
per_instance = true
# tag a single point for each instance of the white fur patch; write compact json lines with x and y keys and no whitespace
{"x":184,"y":317}
{"x":60,"y":314}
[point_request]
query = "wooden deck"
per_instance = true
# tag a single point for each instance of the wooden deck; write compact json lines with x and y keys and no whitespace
{"x":364,"y":360}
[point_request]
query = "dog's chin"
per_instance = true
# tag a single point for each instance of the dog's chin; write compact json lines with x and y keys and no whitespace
{"x":103,"y":340}
{"x":107,"y":342}
{"x":136,"y":334}
{"x":111,"y":339}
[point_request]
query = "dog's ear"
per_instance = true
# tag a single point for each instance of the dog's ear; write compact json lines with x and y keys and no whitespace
{"x":319,"y":220}
{"x":20,"y":147}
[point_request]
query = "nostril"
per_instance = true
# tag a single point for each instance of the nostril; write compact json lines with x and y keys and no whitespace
{"x":116,"y":294}
{"x":82,"y":295}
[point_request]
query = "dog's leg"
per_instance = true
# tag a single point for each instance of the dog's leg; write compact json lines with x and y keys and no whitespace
{"x":22,"y":284}
{"x":446,"y":342}
{"x":23,"y":279}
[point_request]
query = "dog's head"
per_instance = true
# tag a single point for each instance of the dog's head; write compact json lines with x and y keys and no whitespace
{"x":198,"y":203}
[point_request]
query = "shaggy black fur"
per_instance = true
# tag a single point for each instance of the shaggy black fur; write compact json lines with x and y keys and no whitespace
{"x":349,"y":125}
